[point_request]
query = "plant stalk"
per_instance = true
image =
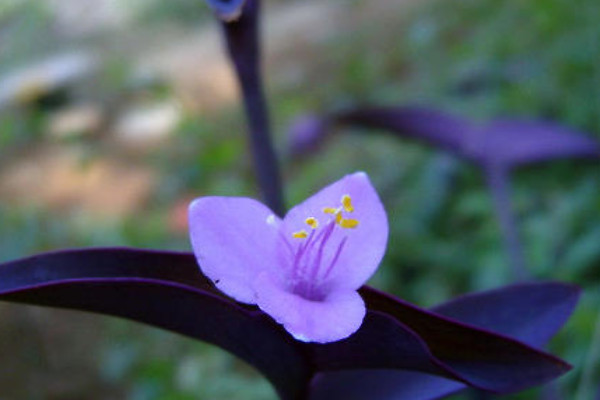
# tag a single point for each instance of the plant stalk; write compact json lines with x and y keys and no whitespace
{"x":243,"y":45}
{"x":498,"y":179}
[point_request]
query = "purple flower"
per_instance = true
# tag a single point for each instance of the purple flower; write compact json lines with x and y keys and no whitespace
{"x":303,"y":270}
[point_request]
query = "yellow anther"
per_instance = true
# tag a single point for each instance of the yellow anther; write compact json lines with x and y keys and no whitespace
{"x":300,"y":234}
{"x":330,"y":210}
{"x":347,"y":203}
{"x":312,"y":222}
{"x":338,"y":217}
{"x":348,"y":223}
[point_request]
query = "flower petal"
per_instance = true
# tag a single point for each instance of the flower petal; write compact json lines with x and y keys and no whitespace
{"x":365,"y":244}
{"x":336,"y":317}
{"x":233,"y":242}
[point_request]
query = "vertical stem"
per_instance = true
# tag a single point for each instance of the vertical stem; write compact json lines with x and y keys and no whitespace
{"x":499,"y":183}
{"x":243,"y":44}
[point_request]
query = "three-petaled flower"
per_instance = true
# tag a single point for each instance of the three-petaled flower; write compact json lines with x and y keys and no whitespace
{"x":303,"y":270}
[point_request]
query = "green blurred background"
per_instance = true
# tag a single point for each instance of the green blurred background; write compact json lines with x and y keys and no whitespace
{"x":115,"y":113}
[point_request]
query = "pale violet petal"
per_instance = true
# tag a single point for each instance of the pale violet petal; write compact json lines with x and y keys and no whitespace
{"x":234,"y":240}
{"x":334,"y":318}
{"x":364,"y":245}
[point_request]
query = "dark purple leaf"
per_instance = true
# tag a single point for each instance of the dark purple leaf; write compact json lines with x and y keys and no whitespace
{"x":515,"y":142}
{"x":504,"y":143}
{"x":381,"y":342}
{"x":163,"y":289}
{"x":227,"y":10}
{"x":462,"y":348}
{"x":438,"y":128}
{"x":381,"y":384}
{"x":425,"y":124}
{"x":166,"y":289}
{"x":543,"y":308}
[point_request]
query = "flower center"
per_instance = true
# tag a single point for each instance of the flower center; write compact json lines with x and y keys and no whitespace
{"x":312,"y":260}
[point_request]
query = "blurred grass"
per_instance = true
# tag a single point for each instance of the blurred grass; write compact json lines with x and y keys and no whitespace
{"x":479,"y":58}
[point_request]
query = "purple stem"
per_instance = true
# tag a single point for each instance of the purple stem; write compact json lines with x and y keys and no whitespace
{"x":243,"y":44}
{"x":499,"y":183}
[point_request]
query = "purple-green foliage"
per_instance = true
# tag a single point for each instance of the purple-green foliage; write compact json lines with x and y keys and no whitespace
{"x":165,"y":289}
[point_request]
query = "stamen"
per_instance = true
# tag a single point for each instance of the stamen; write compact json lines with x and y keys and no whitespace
{"x":347,"y":203}
{"x":312,"y":222}
{"x":310,"y":253}
{"x":335,"y":258}
{"x":348,"y":223}
{"x":316,"y":262}
{"x":304,"y":250}
{"x":300,"y":234}
{"x":287,"y":244}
